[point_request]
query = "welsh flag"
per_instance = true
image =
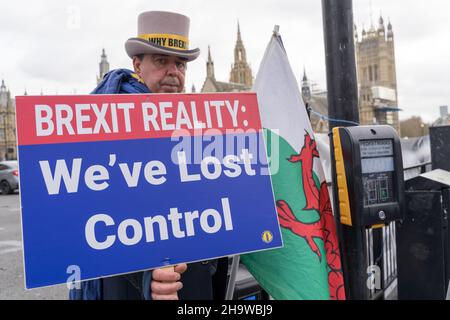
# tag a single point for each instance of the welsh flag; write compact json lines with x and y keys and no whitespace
{"x":309,"y":264}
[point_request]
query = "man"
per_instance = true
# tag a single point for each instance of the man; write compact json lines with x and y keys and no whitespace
{"x":160,"y":54}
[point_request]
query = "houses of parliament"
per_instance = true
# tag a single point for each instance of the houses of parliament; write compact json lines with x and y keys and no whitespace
{"x":376,"y":72}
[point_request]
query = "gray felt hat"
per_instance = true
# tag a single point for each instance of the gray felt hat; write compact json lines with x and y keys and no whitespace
{"x":162,"y":32}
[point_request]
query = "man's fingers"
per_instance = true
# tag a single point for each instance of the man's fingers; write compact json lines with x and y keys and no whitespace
{"x":181,"y":268}
{"x":165,"y":288}
{"x":165,"y":275}
{"x":164,"y":297}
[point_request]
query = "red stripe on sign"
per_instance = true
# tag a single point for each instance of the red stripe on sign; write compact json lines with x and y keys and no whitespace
{"x":61,"y":119}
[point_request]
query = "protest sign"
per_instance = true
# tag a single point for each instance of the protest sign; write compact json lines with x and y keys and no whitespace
{"x":112,"y":184}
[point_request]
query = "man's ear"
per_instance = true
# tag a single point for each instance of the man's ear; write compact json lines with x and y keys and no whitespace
{"x":137,"y":64}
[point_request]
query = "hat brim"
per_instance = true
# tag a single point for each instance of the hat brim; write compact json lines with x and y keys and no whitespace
{"x":137,"y":46}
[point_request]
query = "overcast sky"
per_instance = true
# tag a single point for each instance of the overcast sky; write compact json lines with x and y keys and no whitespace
{"x":55,"y":45}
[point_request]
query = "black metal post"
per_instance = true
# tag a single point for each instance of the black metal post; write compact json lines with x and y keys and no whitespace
{"x":342,"y":89}
{"x":342,"y":83}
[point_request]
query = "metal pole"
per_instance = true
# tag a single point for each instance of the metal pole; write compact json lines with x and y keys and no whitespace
{"x":232,"y":279}
{"x":342,"y":83}
{"x":342,"y":89}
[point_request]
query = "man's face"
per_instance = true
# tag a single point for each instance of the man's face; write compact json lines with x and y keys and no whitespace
{"x":161,"y":73}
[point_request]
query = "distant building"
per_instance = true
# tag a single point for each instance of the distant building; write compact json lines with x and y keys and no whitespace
{"x":316,"y":103}
{"x":8,"y":141}
{"x":377,"y":78}
{"x":103,"y":66}
{"x":241,"y":78}
{"x":377,"y":81}
{"x":444,"y":119}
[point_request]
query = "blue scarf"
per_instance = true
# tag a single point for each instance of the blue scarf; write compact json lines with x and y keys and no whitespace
{"x":115,"y":82}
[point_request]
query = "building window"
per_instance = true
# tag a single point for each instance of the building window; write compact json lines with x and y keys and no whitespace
{"x":370,"y":73}
{"x":376,"y":72}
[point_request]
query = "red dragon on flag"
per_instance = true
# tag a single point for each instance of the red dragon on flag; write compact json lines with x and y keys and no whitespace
{"x":323,"y":229}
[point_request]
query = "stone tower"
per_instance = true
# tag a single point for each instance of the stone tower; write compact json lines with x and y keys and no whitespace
{"x":240,"y":70}
{"x":375,"y":56}
{"x":8,"y":142}
{"x":212,"y":85}
{"x":103,"y":66}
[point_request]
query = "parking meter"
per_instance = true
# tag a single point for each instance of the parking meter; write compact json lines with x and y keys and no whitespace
{"x":369,"y":175}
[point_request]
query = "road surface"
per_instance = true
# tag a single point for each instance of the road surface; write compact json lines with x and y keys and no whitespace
{"x":11,"y":257}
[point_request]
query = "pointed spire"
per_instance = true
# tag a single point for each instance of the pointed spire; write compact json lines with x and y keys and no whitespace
{"x":3,"y":95}
{"x":381,"y":27}
{"x":103,"y":66}
{"x":193,"y":89}
{"x":239,"y":31}
{"x":25,"y":93}
{"x":306,"y":89}
{"x":210,"y":65}
{"x":240,"y":70}
{"x":390,"y":33}
{"x":103,"y":56}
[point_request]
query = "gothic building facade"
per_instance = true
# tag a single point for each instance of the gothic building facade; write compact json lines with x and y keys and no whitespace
{"x":241,"y":78}
{"x":8,"y":140}
{"x":377,"y":81}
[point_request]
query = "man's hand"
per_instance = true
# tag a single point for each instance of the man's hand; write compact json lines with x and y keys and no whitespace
{"x":166,"y":282}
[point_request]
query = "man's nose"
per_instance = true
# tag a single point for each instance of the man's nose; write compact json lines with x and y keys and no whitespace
{"x":172,"y":68}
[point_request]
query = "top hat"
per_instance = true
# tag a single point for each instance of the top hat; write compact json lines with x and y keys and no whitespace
{"x":162,"y":32}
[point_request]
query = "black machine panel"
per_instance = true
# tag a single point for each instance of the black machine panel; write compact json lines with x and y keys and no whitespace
{"x":369,"y":175}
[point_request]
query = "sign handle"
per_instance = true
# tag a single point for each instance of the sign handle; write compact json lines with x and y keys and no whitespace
{"x":232,"y":279}
{"x":448,"y":291}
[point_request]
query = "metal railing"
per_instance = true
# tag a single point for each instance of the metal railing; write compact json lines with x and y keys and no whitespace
{"x":382,"y":259}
